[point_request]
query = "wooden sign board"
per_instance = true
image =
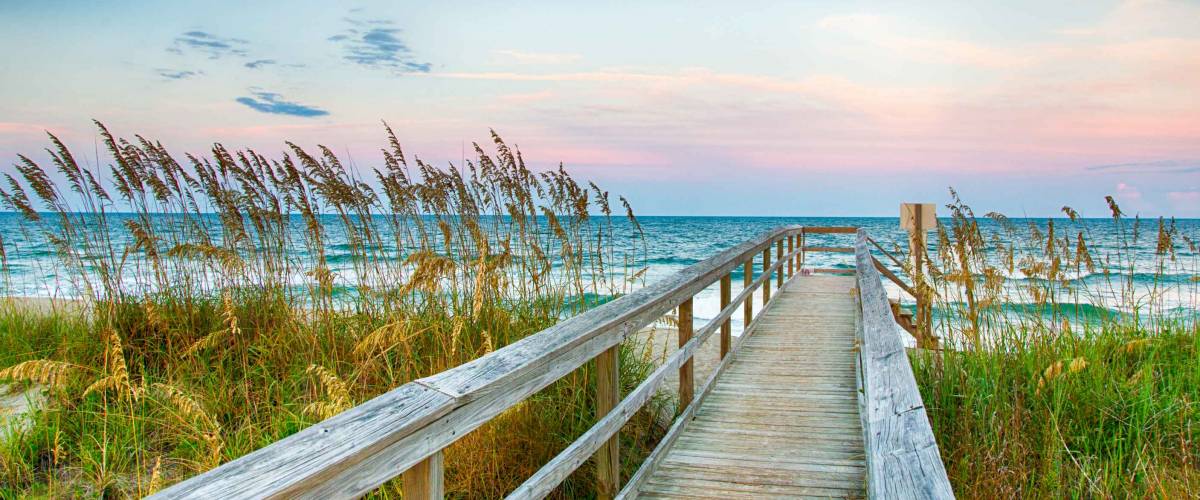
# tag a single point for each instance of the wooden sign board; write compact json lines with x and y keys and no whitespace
{"x":909,"y":213}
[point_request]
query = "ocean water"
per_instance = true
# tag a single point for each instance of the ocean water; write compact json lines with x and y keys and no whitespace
{"x":672,"y":243}
{"x":677,"y":242}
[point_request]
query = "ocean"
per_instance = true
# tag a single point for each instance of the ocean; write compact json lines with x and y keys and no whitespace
{"x":672,"y":243}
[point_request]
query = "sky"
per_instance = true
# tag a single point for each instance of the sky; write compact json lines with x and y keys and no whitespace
{"x":686,"y":108}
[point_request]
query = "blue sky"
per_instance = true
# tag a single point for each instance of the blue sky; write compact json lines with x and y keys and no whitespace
{"x":685,"y":107}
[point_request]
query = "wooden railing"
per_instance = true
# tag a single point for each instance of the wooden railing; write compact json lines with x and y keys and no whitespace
{"x":902,"y":455}
{"x":407,"y":428}
{"x":404,"y":431}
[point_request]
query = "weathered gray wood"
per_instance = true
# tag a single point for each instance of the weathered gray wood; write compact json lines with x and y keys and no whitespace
{"x":767,"y":271}
{"x":424,"y":481}
{"x":686,"y":385}
{"x":358,"y":450}
{"x":770,"y":425}
{"x":779,"y":258}
{"x":554,"y":472}
{"x":648,"y":465}
{"x":831,"y":230}
{"x":311,"y":456}
{"x":726,"y":327}
{"x":830,"y":249}
{"x":791,"y":244}
{"x":902,"y":456}
{"x":748,"y":304}
{"x":833,"y":270}
{"x":892,"y":276}
{"x":608,"y":395}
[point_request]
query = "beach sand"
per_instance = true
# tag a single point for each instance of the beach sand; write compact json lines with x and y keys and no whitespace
{"x":659,"y":342}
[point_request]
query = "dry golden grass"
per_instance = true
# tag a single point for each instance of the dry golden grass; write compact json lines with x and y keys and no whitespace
{"x":230,"y":300}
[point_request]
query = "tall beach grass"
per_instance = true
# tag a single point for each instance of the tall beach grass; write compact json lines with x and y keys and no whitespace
{"x":1063,"y":375}
{"x":209,"y":320}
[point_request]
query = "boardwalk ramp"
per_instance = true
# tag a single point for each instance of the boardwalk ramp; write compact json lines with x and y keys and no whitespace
{"x":782,"y":419}
{"x":815,"y":399}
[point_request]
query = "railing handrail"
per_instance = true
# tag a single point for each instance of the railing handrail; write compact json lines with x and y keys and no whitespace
{"x":902,"y":455}
{"x":359,"y":449}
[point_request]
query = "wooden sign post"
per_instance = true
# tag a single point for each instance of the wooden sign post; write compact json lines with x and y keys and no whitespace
{"x":918,"y":219}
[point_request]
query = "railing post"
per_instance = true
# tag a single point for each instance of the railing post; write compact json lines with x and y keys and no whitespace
{"x":608,"y":395}
{"x":791,"y":260}
{"x":779,"y":258}
{"x":686,"y":386}
{"x":766,"y":283}
{"x":919,"y":218}
{"x":800,"y":258}
{"x":424,"y":480}
{"x":727,"y":326}
{"x":748,"y":305}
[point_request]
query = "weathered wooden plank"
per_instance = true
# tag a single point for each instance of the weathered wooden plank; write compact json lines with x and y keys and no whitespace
{"x":791,"y":244}
{"x":784,"y":408}
{"x":748,"y":304}
{"x":766,"y":258}
{"x":828,"y":270}
{"x":726,"y":326}
{"x":424,"y":481}
{"x":660,"y":451}
{"x":830,"y":249}
{"x":554,"y":472}
{"x":686,"y":385}
{"x":831,"y":230}
{"x":779,"y":258}
{"x":311,"y":456}
{"x":902,"y":456}
{"x":365,"y":446}
{"x":608,"y":395}
{"x":892,"y":276}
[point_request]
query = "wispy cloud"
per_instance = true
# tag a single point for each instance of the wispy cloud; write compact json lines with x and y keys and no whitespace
{"x":177,"y":74}
{"x":213,"y":46}
{"x":1150,"y":167}
{"x":376,"y":43}
{"x":259,"y":63}
{"x":272,"y":103}
{"x":522,"y":57}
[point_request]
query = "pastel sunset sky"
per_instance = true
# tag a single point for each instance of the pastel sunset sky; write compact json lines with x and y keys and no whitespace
{"x":737,"y":108}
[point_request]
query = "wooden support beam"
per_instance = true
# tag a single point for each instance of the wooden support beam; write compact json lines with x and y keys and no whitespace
{"x":829,"y":249}
{"x":766,"y":269}
{"x":423,"y":481}
{"x":892,"y":276}
{"x":748,"y":305}
{"x":686,"y":386}
{"x":918,"y":219}
{"x":779,"y":258}
{"x":791,"y":261}
{"x":727,"y":326}
{"x":831,"y":230}
{"x":800,"y":254}
{"x":608,"y":395}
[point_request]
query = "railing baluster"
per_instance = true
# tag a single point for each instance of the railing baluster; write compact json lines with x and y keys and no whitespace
{"x":727,"y":326}
{"x":424,"y":480}
{"x":608,"y":395}
{"x":766,"y":269}
{"x":792,"y":259}
{"x":748,"y":305}
{"x":800,"y":243}
{"x":779,"y":258}
{"x":686,"y":386}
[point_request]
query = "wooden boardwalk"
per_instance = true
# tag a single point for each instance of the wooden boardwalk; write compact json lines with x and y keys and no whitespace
{"x":782,"y":419}
{"x":817,"y":399}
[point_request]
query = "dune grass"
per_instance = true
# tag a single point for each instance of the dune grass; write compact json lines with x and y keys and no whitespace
{"x":1091,"y":388}
{"x":211,"y":321}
